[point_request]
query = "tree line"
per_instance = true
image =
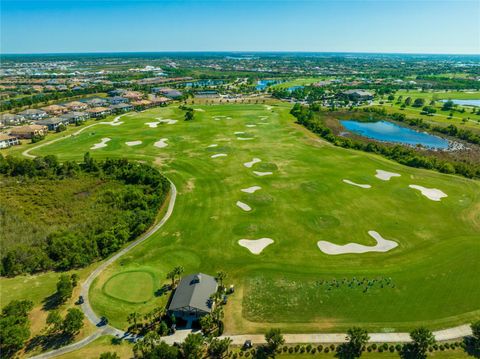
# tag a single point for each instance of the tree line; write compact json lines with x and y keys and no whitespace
{"x":309,"y":117}
{"x":134,"y":206}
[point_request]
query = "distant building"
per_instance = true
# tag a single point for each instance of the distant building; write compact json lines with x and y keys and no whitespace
{"x":133,"y":95}
{"x":8,"y":140}
{"x":358,"y":95}
{"x":167,"y":92}
{"x":53,"y":123}
{"x":29,"y":131}
{"x":96,"y":102}
{"x":192,"y":298}
{"x":207,"y":94}
{"x":33,"y":114}
{"x":142,"y":104}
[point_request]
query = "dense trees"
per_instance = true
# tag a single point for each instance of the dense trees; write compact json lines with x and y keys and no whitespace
{"x":65,"y":287}
{"x":14,"y":326}
{"x":133,"y":204}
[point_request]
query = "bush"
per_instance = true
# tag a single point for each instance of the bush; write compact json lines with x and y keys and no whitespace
{"x":374,"y":346}
{"x":285,"y":348}
{"x":302,"y":349}
{"x":391,"y":348}
{"x":385,"y":346}
{"x":399,"y":347}
{"x":380,"y":349}
{"x":320,"y":347}
{"x":447,"y":346}
{"x":441,"y":347}
{"x":332,"y":347}
{"x":297,"y":348}
{"x":326,"y":350}
{"x":313,"y":351}
{"x":430,"y":349}
{"x":308,"y":348}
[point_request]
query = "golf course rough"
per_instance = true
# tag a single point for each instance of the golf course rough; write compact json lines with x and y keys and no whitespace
{"x":430,"y":278}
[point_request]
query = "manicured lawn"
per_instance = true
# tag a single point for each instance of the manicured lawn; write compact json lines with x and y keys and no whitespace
{"x":298,"y":82}
{"x":99,"y":346}
{"x":139,"y":290}
{"x":432,"y":274}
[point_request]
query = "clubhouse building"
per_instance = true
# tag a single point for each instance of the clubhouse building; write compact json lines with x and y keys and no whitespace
{"x":192,"y":298}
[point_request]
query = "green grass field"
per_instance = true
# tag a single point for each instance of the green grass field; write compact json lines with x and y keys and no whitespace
{"x":433,"y":272}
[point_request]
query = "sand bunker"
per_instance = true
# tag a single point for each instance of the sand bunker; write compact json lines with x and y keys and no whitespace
{"x":262,"y":173}
{"x":252,"y":162}
{"x":383,"y":245}
{"x":251,"y":125}
{"x":102,"y":143}
{"x":431,"y":193}
{"x":239,"y":132}
{"x":161,"y":143}
{"x":168,"y":121}
{"x":199,"y":109}
{"x":115,"y":121}
{"x":357,"y":184}
{"x":212,"y":145}
{"x":385,"y":175}
{"x":262,"y":118}
{"x":252,"y":189}
{"x":244,"y":138}
{"x":219,"y":155}
{"x":133,"y":143}
{"x":268,"y":107}
{"x":255,"y":246}
{"x":152,"y":124}
{"x":244,"y":206}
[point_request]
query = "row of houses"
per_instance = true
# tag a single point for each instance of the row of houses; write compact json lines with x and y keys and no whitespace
{"x":37,"y":122}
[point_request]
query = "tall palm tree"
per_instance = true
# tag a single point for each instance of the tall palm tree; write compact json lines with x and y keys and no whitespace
{"x":221,"y":275}
{"x":133,"y":318}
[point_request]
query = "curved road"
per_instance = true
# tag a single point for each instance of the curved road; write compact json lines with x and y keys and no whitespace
{"x":445,"y":334}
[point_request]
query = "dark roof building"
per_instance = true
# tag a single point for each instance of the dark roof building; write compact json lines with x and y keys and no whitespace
{"x":192,"y":296}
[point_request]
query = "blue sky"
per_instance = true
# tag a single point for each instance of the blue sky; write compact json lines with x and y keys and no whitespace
{"x":417,"y":26}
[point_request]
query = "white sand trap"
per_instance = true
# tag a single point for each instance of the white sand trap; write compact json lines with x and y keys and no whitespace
{"x":219,"y":155}
{"x":168,"y":121}
{"x":212,"y":145}
{"x":133,"y":143}
{"x":199,"y":109}
{"x":383,"y":245}
{"x":239,"y":132}
{"x":250,"y":125}
{"x":263,"y":118}
{"x":255,"y":246}
{"x":152,"y":124}
{"x":228,"y":118}
{"x":252,"y":162}
{"x":115,"y":121}
{"x":102,"y":143}
{"x":357,"y":184}
{"x":244,"y":206}
{"x":262,"y":173}
{"x":244,"y":138}
{"x":262,"y":123}
{"x":385,"y":175}
{"x":161,"y":143}
{"x":431,"y":193}
{"x":252,"y":189}
{"x":268,"y":107}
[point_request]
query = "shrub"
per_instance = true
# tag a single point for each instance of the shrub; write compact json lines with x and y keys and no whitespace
{"x":385,"y":346}
{"x":297,"y":348}
{"x":302,"y":349}
{"x":391,"y":348}
{"x":374,"y":346}
{"x":332,"y":347}
{"x":369,"y":348}
{"x":435,"y":346}
{"x":285,"y":348}
{"x":313,"y":351}
{"x":290,"y":350}
{"x":441,"y":347}
{"x":398,"y":347}
{"x":430,"y":349}
{"x":326,"y":350}
{"x":380,"y":349}
{"x":447,"y":346}
{"x":241,"y":354}
{"x":308,"y":348}
{"x":247,"y":354}
{"x":320,"y":348}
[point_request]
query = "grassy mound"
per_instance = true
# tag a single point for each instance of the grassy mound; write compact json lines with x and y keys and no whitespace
{"x":131,"y":287}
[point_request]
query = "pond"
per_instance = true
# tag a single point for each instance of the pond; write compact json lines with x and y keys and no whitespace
{"x":390,"y":132}
{"x":465,"y":102}
{"x":293,"y":88}
{"x":262,"y":84}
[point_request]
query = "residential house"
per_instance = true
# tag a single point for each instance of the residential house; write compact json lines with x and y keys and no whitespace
{"x":33,"y":114}
{"x":8,"y":119}
{"x":75,"y":116}
{"x":76,"y":106}
{"x":192,"y":297}
{"x":29,"y":131}
{"x":117,"y":99}
{"x":207,"y":94}
{"x":358,"y":95}
{"x":53,"y":123}
{"x":117,"y":92}
{"x":96,"y":102}
{"x":133,"y":95}
{"x":141,"y":104}
{"x":158,"y":101}
{"x":98,"y":112}
{"x":121,"y":107}
{"x":8,"y":140}
{"x":55,"y":110}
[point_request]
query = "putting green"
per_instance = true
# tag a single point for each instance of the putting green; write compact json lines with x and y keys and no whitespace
{"x":431,"y":278}
{"x":131,"y":287}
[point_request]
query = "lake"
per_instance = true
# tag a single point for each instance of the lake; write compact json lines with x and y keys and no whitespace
{"x":465,"y":102}
{"x":262,"y":84}
{"x":390,"y":132}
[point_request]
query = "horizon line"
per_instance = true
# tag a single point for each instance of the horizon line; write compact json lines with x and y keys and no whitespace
{"x":238,"y":52}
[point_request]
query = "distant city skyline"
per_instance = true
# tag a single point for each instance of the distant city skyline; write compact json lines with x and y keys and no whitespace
{"x":388,"y":26}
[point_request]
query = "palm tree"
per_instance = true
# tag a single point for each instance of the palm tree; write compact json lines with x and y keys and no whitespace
{"x":171,"y":276}
{"x":221,"y":275}
{"x":133,"y":318}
